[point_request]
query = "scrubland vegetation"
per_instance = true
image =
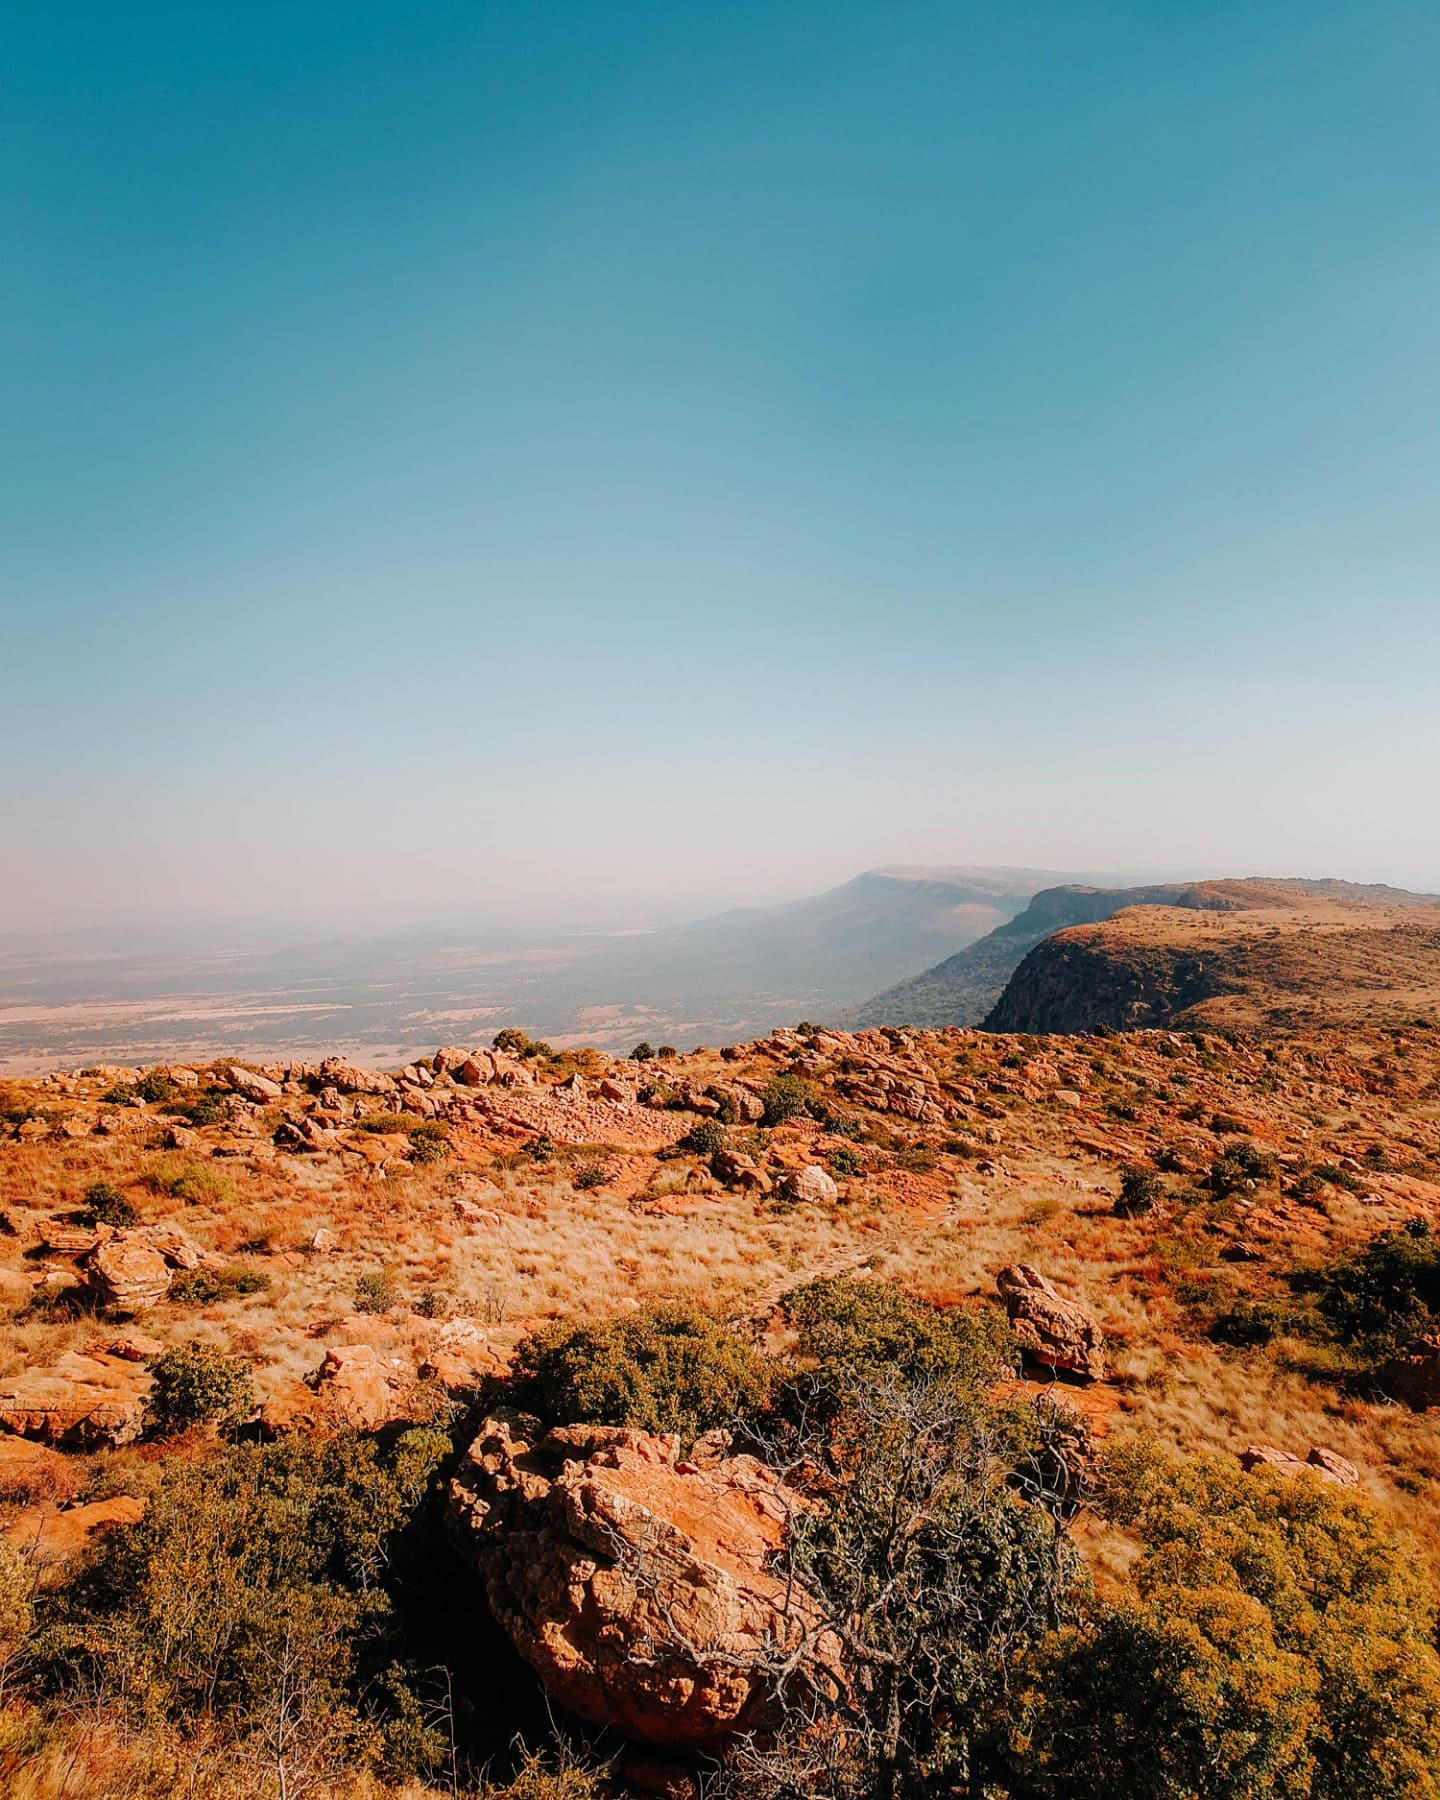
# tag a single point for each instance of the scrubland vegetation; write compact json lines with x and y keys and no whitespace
{"x":1018,"y":1585}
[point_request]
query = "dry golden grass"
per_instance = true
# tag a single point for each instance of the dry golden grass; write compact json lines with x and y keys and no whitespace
{"x":1026,"y":1169}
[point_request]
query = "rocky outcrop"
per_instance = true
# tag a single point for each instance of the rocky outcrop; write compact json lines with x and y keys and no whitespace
{"x":48,"y":1536}
{"x":617,"y":1568}
{"x":80,"y":1402}
{"x":812,"y":1186}
{"x":1414,"y":1378}
{"x":253,"y":1086}
{"x":1051,"y":1330}
{"x":1327,"y":1463}
{"x":126,"y":1275}
{"x":357,"y":1387}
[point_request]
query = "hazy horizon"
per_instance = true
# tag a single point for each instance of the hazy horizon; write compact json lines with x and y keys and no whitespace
{"x":583,"y":461}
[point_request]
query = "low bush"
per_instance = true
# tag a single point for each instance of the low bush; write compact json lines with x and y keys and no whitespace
{"x":788,"y":1097}
{"x":195,"y":1385}
{"x":255,"y":1601}
{"x":377,"y":1291}
{"x":1140,"y":1190}
{"x":108,"y":1206}
{"x":588,"y":1177}
{"x":194,"y":1183}
{"x":429,"y":1141}
{"x":386,"y":1124}
{"x":1241,"y":1165}
{"x":1280,"y":1642}
{"x":208,"y":1287}
{"x":1385,"y":1295}
{"x":704,"y":1139}
{"x":849,"y":1331}
{"x":667,"y":1368}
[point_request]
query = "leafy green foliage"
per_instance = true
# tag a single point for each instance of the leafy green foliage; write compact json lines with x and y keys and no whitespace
{"x":789,"y":1097}
{"x":195,"y":1385}
{"x":1281,"y":1642}
{"x":1386,"y":1295}
{"x":851,"y":1332}
{"x":1140,"y":1190}
{"x":704,"y":1139}
{"x":210,"y":1287}
{"x":643,"y":1052}
{"x":252,"y":1596}
{"x":377,"y":1290}
{"x":1240,"y":1166}
{"x":666,"y":1368}
{"x":195,"y":1183}
{"x":429,"y":1141}
{"x":108,"y":1206}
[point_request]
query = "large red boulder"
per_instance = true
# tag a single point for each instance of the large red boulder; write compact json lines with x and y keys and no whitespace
{"x":618,"y":1569}
{"x":1051,"y":1330}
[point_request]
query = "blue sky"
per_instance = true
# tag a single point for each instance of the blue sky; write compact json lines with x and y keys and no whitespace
{"x":541,"y":455}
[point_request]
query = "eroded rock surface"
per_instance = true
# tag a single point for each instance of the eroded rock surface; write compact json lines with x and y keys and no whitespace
{"x":614,"y":1565}
{"x":1053,"y":1331}
{"x":82,"y":1402}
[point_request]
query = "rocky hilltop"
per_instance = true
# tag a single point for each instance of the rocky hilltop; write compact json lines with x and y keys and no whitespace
{"x":1268,"y":959}
{"x":966,"y":987}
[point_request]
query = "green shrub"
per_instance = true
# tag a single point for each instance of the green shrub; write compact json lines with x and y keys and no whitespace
{"x":643,"y":1052}
{"x":156,"y":1087}
{"x":1140,"y":1190}
{"x":1239,"y":1166}
{"x":1249,"y":1323}
{"x":377,"y":1291}
{"x":704,"y":1139}
{"x":788,"y":1097}
{"x":108,"y":1206}
{"x":667,"y":1368}
{"x":1387,"y":1294}
{"x":194,"y":1183}
{"x":845,"y":1161}
{"x":512,"y":1041}
{"x":588,"y":1176}
{"x":914,"y":1159}
{"x":386,"y":1124}
{"x":851,"y":1331}
{"x":195,"y":1385}
{"x":208,"y":1108}
{"x":429,"y":1141}
{"x":254,"y":1602}
{"x":208,"y":1287}
{"x":1281,"y":1642}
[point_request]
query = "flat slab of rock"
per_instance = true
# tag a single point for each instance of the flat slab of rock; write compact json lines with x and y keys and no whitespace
{"x":54,"y":1537}
{"x":604,"y":1555}
{"x":80,"y":1402}
{"x":1051,"y":1330}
